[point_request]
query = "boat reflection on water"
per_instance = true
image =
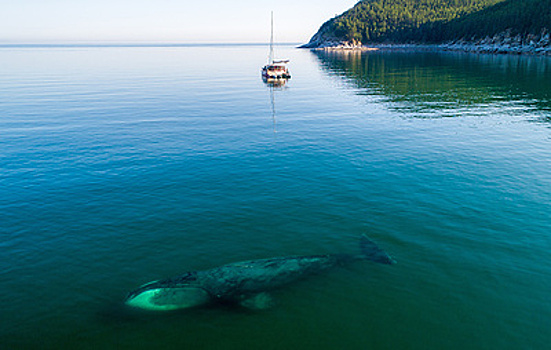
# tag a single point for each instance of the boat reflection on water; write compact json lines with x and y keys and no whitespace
{"x":274,"y":82}
{"x":274,"y":85}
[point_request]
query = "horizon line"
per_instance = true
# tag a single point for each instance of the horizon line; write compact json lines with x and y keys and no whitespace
{"x":137,"y":44}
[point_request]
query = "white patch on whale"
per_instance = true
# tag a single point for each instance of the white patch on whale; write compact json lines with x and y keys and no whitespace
{"x":166,"y":299}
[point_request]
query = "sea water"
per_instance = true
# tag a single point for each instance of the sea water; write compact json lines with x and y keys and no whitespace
{"x":120,"y":165}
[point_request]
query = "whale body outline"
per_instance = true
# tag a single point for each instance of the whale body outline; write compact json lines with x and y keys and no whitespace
{"x":245,"y":282}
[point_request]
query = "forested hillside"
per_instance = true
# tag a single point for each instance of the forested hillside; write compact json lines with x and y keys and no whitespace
{"x":428,"y":21}
{"x":522,"y":17}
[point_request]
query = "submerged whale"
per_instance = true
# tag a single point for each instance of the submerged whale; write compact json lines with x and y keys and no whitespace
{"x":244,"y":283}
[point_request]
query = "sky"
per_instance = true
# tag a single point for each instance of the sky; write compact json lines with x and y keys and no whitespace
{"x":181,"y":21}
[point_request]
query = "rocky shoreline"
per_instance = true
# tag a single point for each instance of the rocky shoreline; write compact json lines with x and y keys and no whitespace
{"x":502,"y":43}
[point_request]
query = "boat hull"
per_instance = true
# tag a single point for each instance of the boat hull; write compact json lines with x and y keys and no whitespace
{"x":275,"y":75}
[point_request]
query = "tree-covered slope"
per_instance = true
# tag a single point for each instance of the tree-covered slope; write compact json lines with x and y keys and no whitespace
{"x":522,"y":17}
{"x":420,"y":21}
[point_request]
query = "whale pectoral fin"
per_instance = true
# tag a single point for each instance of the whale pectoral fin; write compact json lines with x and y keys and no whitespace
{"x":371,"y":251}
{"x":260,"y":301}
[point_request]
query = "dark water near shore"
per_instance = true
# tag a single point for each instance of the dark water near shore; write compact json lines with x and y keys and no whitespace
{"x":121,"y":165}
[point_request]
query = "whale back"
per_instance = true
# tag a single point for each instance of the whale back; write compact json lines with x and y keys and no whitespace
{"x":249,"y":277}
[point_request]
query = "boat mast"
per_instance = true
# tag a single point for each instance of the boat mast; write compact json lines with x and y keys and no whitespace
{"x":271,"y":58}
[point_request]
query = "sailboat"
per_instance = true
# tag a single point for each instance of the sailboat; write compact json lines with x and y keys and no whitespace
{"x":275,"y":69}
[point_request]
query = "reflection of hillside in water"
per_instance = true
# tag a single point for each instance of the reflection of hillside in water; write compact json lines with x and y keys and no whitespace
{"x":432,"y":85}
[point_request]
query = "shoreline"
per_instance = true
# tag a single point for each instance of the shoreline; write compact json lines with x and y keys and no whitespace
{"x":496,"y":49}
{"x":502,"y":43}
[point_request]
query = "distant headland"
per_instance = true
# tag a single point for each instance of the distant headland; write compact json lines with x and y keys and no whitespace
{"x":483,"y":26}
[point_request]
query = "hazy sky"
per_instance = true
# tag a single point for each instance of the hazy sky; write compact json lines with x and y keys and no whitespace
{"x":164,"y":20}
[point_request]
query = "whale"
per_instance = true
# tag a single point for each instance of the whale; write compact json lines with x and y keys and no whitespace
{"x":245,"y":283}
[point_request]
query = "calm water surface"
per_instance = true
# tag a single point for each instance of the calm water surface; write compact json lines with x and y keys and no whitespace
{"x":121,"y":165}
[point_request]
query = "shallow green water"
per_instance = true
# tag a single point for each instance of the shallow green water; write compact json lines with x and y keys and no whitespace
{"x":119,"y":166}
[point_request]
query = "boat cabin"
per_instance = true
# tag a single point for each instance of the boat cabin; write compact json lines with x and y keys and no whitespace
{"x":276,"y":70}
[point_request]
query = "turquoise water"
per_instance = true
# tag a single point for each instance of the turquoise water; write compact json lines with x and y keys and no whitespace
{"x":122,"y":165}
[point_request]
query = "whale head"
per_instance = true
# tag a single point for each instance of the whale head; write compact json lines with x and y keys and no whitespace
{"x":159,"y":297}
